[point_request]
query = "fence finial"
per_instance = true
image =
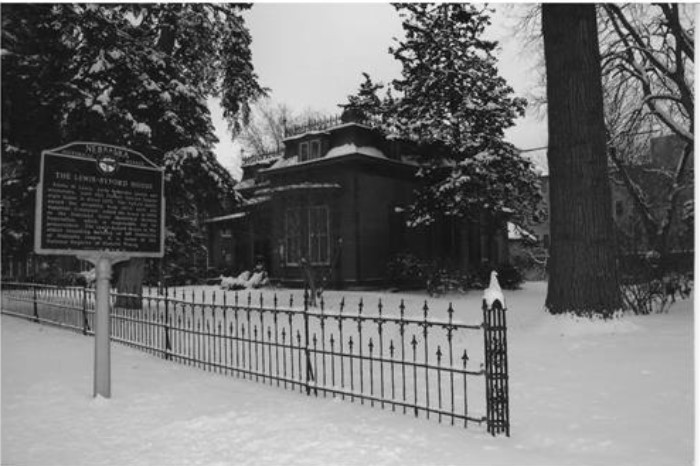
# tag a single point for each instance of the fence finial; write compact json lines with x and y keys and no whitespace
{"x":493,"y":293}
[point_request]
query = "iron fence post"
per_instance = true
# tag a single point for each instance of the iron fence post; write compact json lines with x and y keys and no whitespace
{"x":496,"y":369}
{"x":85,"y":318}
{"x":36,"y":306}
{"x":487,"y":365}
{"x":168,"y":348}
{"x":309,"y":369}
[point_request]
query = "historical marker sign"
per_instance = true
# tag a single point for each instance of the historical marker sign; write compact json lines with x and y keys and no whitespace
{"x":103,"y":204}
{"x":96,"y":198}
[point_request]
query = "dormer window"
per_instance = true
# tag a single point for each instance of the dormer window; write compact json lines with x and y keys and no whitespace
{"x":310,"y":150}
{"x":315,"y":149}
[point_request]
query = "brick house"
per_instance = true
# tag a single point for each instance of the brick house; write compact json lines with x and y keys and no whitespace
{"x":335,"y":196}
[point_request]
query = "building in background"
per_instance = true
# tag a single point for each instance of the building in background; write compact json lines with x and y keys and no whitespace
{"x":653,"y":174}
{"x":335,"y":196}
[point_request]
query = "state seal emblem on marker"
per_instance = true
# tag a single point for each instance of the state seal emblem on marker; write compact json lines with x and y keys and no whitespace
{"x":107,"y":164}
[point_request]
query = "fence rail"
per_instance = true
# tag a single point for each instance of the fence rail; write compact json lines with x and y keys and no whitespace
{"x":416,"y":364}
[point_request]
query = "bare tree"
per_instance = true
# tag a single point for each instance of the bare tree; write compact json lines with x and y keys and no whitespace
{"x":647,"y":62}
{"x":649,"y":54}
{"x":269,"y":121}
{"x":647,"y":68}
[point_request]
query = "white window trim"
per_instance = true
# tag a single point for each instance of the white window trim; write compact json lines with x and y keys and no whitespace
{"x":226,"y":233}
{"x":301,"y":151}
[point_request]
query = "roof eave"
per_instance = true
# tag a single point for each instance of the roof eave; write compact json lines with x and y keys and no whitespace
{"x":323,"y":161}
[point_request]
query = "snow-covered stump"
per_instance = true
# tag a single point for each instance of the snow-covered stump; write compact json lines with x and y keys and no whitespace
{"x":496,"y":368}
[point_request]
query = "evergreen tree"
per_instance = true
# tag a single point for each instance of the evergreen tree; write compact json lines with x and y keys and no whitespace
{"x":366,"y":103}
{"x":451,"y":99}
{"x":136,"y":75}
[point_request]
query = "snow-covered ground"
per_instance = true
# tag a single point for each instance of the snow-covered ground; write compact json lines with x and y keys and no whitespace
{"x":582,"y":393}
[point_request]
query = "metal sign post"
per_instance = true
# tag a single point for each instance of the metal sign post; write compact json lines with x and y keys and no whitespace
{"x":103,"y":369}
{"x":103,"y":204}
{"x":102,"y":379}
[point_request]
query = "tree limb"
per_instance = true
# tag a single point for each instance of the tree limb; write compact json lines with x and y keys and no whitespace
{"x":665,"y":227}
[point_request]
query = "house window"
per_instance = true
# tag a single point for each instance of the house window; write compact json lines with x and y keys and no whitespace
{"x":318,"y":235}
{"x":226,"y":254}
{"x":307,"y":235}
{"x":309,"y":150}
{"x":303,"y":151}
{"x":292,"y":232}
{"x":226,"y":233}
{"x":315,"y":149}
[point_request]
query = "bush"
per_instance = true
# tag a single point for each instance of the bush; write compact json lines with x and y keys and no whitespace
{"x":509,"y":276}
{"x":650,"y":283}
{"x":176,"y":275}
{"x":441,"y":281}
{"x":531,"y":260}
{"x":50,"y":274}
{"x":406,"y":272}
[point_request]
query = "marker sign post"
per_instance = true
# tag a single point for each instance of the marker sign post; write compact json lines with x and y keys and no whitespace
{"x":103,"y":204}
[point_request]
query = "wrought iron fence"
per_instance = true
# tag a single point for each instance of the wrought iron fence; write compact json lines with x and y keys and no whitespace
{"x":400,"y":359}
{"x":325,"y":123}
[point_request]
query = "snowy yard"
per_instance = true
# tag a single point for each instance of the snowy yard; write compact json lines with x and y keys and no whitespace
{"x":581,"y":393}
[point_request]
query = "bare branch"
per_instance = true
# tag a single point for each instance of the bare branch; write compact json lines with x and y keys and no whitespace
{"x":676,"y":189}
{"x":685,"y":41}
{"x":637,"y":194}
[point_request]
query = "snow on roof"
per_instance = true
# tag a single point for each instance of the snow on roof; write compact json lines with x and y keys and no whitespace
{"x":299,"y":186}
{"x":224,"y":218}
{"x":261,"y":159}
{"x":284,"y":162}
{"x":349,"y":149}
{"x":246,"y":184}
{"x":314,"y":132}
{"x":338,"y":152}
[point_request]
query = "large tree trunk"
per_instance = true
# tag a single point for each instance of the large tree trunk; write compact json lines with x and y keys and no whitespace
{"x":130,"y":281}
{"x":583,"y":274}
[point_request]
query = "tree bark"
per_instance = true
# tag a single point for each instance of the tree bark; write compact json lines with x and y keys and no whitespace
{"x":583,"y":276}
{"x":129,"y":281}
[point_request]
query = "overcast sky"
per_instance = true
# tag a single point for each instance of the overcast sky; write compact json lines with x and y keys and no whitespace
{"x":312,"y":56}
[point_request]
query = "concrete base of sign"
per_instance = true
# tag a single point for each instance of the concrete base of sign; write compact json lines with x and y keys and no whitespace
{"x":103,"y":275}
